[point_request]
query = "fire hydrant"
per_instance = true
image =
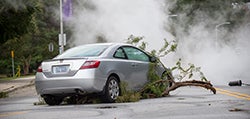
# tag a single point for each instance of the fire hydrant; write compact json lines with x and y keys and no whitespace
{"x":18,"y":73}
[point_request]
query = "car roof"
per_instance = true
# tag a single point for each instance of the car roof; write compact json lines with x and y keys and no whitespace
{"x":111,"y":44}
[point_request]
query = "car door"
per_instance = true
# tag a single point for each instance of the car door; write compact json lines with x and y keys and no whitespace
{"x":139,"y":64}
{"x":122,"y":66}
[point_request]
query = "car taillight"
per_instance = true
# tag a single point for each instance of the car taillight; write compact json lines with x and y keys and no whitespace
{"x":39,"y":69}
{"x":90,"y":64}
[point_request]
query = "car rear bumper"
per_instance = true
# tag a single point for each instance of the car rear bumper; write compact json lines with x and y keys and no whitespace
{"x":84,"y":83}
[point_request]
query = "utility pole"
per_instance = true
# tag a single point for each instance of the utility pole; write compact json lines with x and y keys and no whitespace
{"x":61,"y":36}
{"x":13,"y":66}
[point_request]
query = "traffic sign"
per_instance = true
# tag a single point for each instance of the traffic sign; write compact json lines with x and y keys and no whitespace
{"x":12,"y":54}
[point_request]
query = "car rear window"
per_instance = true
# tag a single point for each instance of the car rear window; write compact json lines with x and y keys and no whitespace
{"x":83,"y":51}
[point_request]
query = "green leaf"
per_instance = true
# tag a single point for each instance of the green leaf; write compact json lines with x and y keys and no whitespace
{"x":190,"y":75}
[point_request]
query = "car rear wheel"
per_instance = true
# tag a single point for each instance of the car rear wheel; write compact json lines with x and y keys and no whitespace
{"x":52,"y":100}
{"x":112,"y":89}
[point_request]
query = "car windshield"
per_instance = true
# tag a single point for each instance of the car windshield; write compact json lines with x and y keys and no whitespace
{"x":83,"y":51}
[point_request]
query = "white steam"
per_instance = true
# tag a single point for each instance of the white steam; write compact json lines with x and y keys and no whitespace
{"x":116,"y":20}
{"x":221,"y":64}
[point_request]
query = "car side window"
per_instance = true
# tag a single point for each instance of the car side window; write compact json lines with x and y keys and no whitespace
{"x":136,"y":54}
{"x":120,"y":53}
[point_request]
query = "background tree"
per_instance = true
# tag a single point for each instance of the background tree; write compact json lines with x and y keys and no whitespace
{"x":27,"y":27}
{"x":16,"y":18}
{"x":208,"y":13}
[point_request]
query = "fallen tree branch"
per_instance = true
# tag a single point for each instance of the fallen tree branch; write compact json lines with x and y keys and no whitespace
{"x":206,"y":85}
{"x":154,"y":83}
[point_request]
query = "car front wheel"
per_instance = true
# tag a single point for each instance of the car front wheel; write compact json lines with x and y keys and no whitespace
{"x":112,"y":89}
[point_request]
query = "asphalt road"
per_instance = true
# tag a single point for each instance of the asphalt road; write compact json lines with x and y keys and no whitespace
{"x":187,"y":102}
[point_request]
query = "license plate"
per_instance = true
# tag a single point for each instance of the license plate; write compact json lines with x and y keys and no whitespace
{"x":60,"y":69}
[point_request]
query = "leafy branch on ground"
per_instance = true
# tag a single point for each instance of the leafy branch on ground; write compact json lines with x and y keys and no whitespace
{"x":40,"y":101}
{"x":127,"y":95}
{"x":161,"y":86}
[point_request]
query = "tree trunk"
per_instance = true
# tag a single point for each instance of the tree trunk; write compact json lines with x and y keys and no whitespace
{"x":206,"y":85}
{"x":26,"y":65}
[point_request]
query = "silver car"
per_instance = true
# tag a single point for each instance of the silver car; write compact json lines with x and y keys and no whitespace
{"x":93,"y":69}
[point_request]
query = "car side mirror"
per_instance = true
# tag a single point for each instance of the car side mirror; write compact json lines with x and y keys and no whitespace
{"x":153,"y":59}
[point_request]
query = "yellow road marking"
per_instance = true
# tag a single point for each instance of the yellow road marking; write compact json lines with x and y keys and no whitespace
{"x":12,"y":113}
{"x":233,"y":94}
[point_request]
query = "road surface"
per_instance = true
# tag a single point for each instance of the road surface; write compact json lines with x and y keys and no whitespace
{"x":186,"y":102}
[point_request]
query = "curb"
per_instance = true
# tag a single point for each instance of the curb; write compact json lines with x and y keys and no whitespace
{"x":11,"y":89}
{"x":21,"y":87}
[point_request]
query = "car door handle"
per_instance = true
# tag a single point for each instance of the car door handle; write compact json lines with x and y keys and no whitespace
{"x":134,"y":64}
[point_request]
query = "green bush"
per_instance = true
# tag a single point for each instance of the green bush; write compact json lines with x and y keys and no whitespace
{"x":3,"y":94}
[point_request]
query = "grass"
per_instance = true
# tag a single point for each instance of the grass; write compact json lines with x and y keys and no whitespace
{"x":5,"y":78}
{"x":3,"y":95}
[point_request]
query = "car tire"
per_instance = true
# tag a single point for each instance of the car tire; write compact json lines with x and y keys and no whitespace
{"x":52,"y":100}
{"x":111,"y":90}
